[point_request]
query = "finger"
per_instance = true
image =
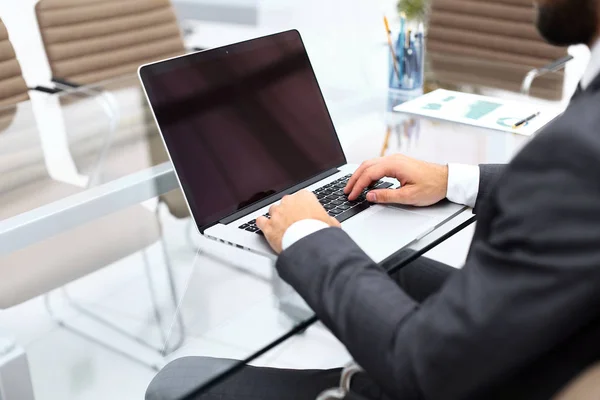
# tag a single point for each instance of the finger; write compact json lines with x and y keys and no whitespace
{"x":357,"y":174}
{"x":262,"y":223}
{"x":273,"y":209}
{"x":371,"y":174}
{"x":265,"y":225}
{"x":403,"y":195}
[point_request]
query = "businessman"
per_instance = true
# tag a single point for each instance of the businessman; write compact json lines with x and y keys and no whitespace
{"x":519,"y":321}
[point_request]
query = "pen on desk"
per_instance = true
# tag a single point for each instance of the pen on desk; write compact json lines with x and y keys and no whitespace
{"x":389,"y":37}
{"x":525,"y":120}
{"x":400,"y":44}
{"x":407,"y":59}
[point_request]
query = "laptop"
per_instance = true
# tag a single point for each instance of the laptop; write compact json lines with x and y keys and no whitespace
{"x":246,"y":124}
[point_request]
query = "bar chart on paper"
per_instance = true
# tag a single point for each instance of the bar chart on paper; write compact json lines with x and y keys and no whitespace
{"x":482,"y":111}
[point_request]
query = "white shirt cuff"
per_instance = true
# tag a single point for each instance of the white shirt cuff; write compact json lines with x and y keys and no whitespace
{"x":301,"y":229}
{"x":463,"y":184}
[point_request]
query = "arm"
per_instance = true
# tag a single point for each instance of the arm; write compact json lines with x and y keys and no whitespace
{"x":488,"y":175}
{"x":484,"y":319}
{"x":423,"y":183}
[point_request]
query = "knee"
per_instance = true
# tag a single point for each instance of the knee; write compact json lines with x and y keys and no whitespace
{"x":182,"y":376}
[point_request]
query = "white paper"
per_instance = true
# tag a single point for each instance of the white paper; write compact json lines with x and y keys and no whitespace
{"x":481,"y":111}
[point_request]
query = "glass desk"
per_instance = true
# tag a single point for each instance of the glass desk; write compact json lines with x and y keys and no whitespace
{"x":182,"y":295}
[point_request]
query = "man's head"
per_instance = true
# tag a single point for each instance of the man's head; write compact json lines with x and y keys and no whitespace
{"x":567,"y":22}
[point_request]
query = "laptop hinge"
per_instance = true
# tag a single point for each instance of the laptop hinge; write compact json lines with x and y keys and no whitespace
{"x":271,"y":199}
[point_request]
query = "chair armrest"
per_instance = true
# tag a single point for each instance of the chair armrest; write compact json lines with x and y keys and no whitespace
{"x":65,"y":82}
{"x":537,"y":72}
{"x":45,"y":89}
{"x":110,"y":108}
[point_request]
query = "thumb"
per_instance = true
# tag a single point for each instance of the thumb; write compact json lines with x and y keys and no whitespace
{"x":401,"y":195}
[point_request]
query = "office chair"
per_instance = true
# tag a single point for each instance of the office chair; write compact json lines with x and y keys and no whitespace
{"x":492,"y":44}
{"x":26,"y":185}
{"x":13,"y":88}
{"x":92,"y":41}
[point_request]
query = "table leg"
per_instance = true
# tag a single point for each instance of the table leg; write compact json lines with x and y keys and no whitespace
{"x":15,"y":379}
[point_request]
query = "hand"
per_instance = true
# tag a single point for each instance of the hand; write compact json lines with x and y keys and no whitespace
{"x":422,"y":183}
{"x":294,"y":208}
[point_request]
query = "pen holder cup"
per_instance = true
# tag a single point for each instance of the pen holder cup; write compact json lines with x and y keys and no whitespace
{"x":406,"y":74}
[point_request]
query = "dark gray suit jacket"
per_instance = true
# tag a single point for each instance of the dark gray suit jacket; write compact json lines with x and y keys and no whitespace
{"x":523,"y":315}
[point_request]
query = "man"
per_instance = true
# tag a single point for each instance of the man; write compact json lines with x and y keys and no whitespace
{"x":520,"y":320}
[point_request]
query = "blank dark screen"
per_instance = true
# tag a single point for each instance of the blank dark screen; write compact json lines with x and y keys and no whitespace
{"x":242,"y":123}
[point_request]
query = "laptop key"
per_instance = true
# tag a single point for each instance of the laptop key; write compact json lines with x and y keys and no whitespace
{"x":332,"y":198}
{"x":352,"y":212}
{"x":343,"y":207}
{"x":335,"y":211}
{"x":383,"y":185}
{"x":329,"y":206}
{"x":337,"y":202}
{"x":321,"y":196}
{"x":251,"y":229}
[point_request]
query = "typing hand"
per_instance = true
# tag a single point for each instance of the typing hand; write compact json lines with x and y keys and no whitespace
{"x":294,"y":208}
{"x":422,"y":183}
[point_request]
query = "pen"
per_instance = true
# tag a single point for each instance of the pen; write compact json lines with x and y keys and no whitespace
{"x":389,"y":37}
{"x":407,"y":59}
{"x":400,"y":44}
{"x":525,"y":120}
{"x":386,"y":141}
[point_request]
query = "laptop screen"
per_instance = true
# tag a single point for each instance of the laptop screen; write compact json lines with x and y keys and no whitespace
{"x":242,"y":122}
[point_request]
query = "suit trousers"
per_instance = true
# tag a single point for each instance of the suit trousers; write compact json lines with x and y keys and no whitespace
{"x":419,"y":279}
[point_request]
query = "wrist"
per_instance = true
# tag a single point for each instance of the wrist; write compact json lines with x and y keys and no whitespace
{"x":444,"y":173}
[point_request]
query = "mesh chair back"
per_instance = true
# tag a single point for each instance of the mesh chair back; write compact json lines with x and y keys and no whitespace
{"x":13,"y":88}
{"x":491,"y":43}
{"x":89,"y":41}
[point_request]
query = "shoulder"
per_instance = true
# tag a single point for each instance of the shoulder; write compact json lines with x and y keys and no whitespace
{"x":571,"y":142}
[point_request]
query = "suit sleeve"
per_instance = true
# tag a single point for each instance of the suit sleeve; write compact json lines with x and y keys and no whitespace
{"x":488,"y":175}
{"x":539,"y":252}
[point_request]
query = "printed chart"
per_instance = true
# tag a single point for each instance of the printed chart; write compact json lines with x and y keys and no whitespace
{"x":482,"y":111}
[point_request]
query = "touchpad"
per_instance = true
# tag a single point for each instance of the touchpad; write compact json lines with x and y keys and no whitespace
{"x":386,"y":231}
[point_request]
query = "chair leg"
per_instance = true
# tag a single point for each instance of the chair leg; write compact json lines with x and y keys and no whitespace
{"x":163,"y":350}
{"x":176,"y":303}
{"x":65,"y":325}
{"x":152,"y":291}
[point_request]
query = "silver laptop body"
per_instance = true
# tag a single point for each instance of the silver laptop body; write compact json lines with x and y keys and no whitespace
{"x":246,"y":124}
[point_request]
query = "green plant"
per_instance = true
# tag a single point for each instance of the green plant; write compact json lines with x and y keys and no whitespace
{"x":414,"y":9}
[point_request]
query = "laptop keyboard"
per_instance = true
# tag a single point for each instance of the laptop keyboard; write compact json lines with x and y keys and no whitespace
{"x":335,"y":202}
